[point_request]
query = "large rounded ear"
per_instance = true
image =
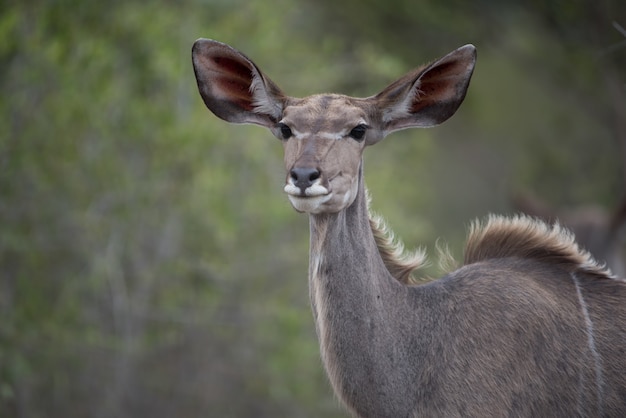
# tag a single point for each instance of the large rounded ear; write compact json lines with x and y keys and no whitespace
{"x":428,"y":95}
{"x":233,"y":87}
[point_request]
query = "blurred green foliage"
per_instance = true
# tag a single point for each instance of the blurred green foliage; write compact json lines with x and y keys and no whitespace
{"x":149,"y":264}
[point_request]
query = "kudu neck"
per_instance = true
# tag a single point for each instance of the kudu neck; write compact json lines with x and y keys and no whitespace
{"x":354,"y":298}
{"x":346,"y":237}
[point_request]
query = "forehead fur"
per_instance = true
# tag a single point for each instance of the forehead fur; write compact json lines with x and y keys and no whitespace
{"x":325,"y":112}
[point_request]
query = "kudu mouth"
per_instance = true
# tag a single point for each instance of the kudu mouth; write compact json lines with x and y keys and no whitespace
{"x":315,"y":190}
{"x":310,"y":191}
{"x":305,"y":190}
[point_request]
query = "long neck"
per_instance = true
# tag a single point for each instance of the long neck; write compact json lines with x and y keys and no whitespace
{"x":346,"y":272}
{"x":354,"y":298}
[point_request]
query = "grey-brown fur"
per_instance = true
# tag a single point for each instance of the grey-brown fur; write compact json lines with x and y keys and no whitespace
{"x":530,"y":326}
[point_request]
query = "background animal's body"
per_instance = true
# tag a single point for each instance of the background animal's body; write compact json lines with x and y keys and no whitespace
{"x":530,"y":326}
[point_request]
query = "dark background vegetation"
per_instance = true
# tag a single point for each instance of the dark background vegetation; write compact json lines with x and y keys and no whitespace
{"x":150,"y":265}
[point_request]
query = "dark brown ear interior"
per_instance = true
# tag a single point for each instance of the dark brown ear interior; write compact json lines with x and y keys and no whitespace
{"x":231,"y":85}
{"x":430,"y":94}
{"x":442,"y":89}
{"x":223,"y":78}
{"x":233,"y":79}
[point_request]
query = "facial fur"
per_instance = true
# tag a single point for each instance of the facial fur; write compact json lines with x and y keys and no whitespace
{"x":323,"y":138}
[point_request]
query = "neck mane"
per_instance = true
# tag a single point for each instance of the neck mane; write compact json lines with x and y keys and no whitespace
{"x":400,"y":263}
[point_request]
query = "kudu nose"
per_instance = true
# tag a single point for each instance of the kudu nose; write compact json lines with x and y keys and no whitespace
{"x":303,"y":177}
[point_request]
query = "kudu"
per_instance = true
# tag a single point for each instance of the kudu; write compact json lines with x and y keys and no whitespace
{"x":530,"y":325}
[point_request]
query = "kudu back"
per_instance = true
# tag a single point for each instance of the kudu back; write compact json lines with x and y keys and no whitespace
{"x":529,"y":326}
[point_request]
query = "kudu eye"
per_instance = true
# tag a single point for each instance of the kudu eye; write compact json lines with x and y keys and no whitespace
{"x":358,"y":132}
{"x":285,"y":131}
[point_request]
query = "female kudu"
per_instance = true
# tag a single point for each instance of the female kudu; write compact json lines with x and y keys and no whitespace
{"x":529,"y":326}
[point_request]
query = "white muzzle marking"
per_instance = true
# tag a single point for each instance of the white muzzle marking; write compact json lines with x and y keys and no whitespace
{"x":314,"y":197}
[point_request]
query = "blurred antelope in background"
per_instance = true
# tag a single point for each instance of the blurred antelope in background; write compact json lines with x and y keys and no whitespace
{"x":530,"y":325}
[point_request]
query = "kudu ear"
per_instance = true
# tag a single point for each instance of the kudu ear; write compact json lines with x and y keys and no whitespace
{"x":233,"y":87}
{"x":428,"y":95}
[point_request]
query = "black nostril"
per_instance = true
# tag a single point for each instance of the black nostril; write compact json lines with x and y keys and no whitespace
{"x":304,"y":177}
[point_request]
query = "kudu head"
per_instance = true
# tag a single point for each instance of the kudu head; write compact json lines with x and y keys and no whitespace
{"x":324,"y":135}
